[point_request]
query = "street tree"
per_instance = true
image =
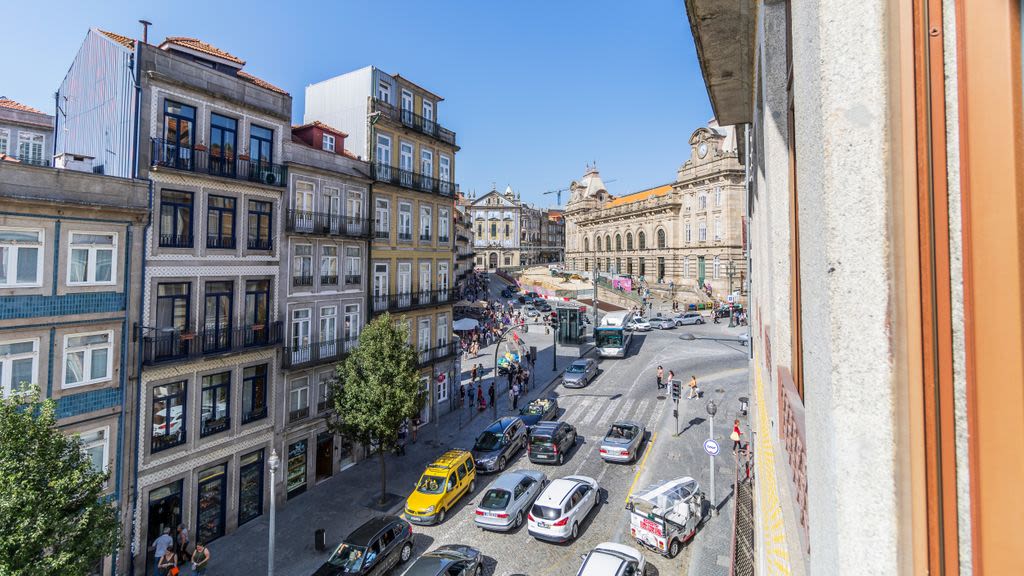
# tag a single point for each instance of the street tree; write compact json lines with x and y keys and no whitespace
{"x":54,"y":519}
{"x":376,"y":389}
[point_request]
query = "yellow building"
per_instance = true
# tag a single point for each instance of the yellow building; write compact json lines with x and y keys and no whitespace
{"x":392,"y":122}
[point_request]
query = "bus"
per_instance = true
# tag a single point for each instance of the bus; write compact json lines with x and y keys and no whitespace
{"x":611,"y":338}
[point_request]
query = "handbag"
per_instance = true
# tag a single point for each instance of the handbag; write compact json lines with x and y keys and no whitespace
{"x":173,"y":571}
{"x":735,"y":436}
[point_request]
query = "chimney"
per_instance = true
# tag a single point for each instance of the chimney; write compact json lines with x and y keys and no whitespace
{"x":145,"y":30}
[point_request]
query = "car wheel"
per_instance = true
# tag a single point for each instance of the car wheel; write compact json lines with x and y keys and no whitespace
{"x":501,"y":467}
{"x":472,"y":485}
{"x":575,"y":530}
{"x":673,"y":548}
{"x":441,"y":515}
{"x":519,"y":519}
{"x":406,"y":553}
{"x":701,"y":321}
{"x":561,"y":459}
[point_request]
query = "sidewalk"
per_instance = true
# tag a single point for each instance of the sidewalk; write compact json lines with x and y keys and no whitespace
{"x":342,"y":503}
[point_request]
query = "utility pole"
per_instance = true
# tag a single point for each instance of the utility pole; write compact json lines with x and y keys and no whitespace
{"x":595,"y":299}
{"x":711,"y":408}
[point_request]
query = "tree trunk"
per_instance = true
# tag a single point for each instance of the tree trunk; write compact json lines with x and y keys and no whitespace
{"x":383,"y":477}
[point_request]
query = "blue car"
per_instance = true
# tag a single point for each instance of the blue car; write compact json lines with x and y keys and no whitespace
{"x":539,"y":409}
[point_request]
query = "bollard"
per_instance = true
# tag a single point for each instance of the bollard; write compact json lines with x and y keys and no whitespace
{"x":320,"y":540}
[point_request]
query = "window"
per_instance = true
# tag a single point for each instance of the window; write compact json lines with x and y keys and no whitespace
{"x":508,"y":229}
{"x":223,"y":141}
{"x":442,"y":280}
{"x":300,"y":328}
{"x":353,"y":266}
{"x":19,"y":362}
{"x":21,"y":263}
{"x":219,"y":307}
{"x":405,"y":155}
{"x":425,"y":280}
{"x":30,"y":148}
{"x":257,"y":312}
{"x":382,"y":220}
{"x":384,"y":92}
{"x":168,"y":413}
{"x":407,"y":106}
{"x":88,"y":358}
{"x":328,"y":143}
{"x":261,"y":228}
{"x":608,"y":243}
{"x":175,"y":219}
{"x":599,"y":244}
{"x":96,"y":447}
{"x":352,"y":326}
{"x":328,"y":324}
{"x":618,"y":243}
{"x":427,"y":163}
{"x":380,"y":285}
{"x":718,"y":196}
{"x":586,"y":245}
{"x":428,"y":110}
{"x":641,"y":239}
{"x":5,"y":141}
{"x":216,"y":404}
{"x":686,"y":202}
{"x":715,"y":265}
{"x":220,"y":222}
{"x":423,"y":335}
{"x":718,"y":229}
{"x":629,"y":241}
{"x":298,"y":399}
{"x":442,"y":329}
{"x":261,"y":145}
{"x":302,"y":265}
{"x":426,"y":217}
{"x":494,"y":229}
{"x":688,"y":232}
{"x":254,"y":393}
{"x":329,"y":265}
{"x":444,"y":173}
{"x":702,"y":202}
{"x":404,"y":221}
{"x":443,"y":217}
{"x":323,"y":391}
{"x":702,"y":232}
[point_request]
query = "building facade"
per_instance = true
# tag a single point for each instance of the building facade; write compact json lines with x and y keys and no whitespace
{"x":395,"y":123}
{"x":71,"y":247}
{"x":464,"y":255}
{"x":507,"y":231}
{"x":552,"y":232}
{"x":26,"y":134}
{"x":327,"y":231}
{"x":688,"y":232}
{"x":885,"y":199}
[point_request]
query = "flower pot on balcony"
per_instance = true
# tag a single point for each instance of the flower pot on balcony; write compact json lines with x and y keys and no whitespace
{"x":257,"y":327}
{"x":199,"y":148}
{"x":187,"y":335}
{"x":243,"y":157}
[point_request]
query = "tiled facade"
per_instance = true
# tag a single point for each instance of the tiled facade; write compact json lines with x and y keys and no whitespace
{"x":26,"y":134}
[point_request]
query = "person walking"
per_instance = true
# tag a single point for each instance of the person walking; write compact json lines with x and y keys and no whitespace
{"x":516,"y":391}
{"x":481,"y":404}
{"x":736,"y":435}
{"x":694,"y":391}
{"x":512,"y":398}
{"x":462,"y":395}
{"x":160,"y":546}
{"x":403,"y":431}
{"x":473,"y":376}
{"x":661,"y":373}
{"x":490,"y":393}
{"x":200,"y":559}
{"x":415,"y":426}
{"x":168,"y":563}
{"x":181,"y":544}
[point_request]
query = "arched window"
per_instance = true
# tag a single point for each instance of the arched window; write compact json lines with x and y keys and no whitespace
{"x":714,"y":268}
{"x":586,"y":244}
{"x":661,"y":238}
{"x":608,"y":243}
{"x":629,"y":241}
{"x":641,"y":240}
{"x":598,"y":246}
{"x":618,"y":243}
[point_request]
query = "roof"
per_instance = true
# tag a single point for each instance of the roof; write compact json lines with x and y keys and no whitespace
{"x":558,"y":490}
{"x":12,"y":105}
{"x":370,"y":529}
{"x":320,"y":125}
{"x":642,"y":195}
{"x":200,"y":46}
{"x":724,"y":35}
{"x":449,"y":459}
{"x":261,"y":83}
{"x":421,"y":88}
{"x":122,"y":40}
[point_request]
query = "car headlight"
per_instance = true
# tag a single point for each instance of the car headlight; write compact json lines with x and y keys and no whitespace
{"x":429,"y":509}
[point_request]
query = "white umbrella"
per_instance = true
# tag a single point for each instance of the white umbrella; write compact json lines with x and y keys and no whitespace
{"x":464,"y":324}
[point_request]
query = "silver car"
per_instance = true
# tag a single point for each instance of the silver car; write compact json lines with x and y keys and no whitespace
{"x":639,"y":324}
{"x":623,"y":441}
{"x":579,"y":373}
{"x":663,"y":323}
{"x":507,"y":501}
{"x":689,"y":318}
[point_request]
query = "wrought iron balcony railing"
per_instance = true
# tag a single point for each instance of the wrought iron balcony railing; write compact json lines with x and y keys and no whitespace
{"x":409,"y":179}
{"x":170,"y":154}
{"x":175,"y":240}
{"x":314,"y":353}
{"x":436,"y":354}
{"x":410,"y":300}
{"x":413,"y":121}
{"x":326,"y":224}
{"x":161,"y":345}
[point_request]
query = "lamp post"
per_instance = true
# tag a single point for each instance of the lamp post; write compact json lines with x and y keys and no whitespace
{"x":274,"y":463}
{"x":711,"y":408}
{"x":731,"y":270}
{"x":497,"y":347}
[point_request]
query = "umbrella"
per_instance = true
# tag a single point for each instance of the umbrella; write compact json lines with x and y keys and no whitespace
{"x":464,"y":324}
{"x":463,"y":304}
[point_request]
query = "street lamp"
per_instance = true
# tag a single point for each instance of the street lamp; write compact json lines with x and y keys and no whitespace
{"x":731,"y":270}
{"x":274,"y":463}
{"x":711,"y":408}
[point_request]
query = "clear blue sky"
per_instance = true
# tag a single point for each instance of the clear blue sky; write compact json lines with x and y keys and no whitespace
{"x":534,"y":88}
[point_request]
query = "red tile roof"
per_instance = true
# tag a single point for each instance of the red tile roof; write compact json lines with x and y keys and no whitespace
{"x":642,"y":195}
{"x":321,"y":126}
{"x":12,"y":105}
{"x":200,"y":46}
{"x":122,"y":40}
{"x":261,"y":83}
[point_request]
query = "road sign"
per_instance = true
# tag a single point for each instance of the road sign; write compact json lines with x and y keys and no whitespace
{"x":711,"y":447}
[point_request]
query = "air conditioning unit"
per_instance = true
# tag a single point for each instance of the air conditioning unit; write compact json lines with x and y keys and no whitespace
{"x":269,"y":177}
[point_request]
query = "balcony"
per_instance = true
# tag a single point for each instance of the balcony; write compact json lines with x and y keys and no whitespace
{"x":33,"y":160}
{"x":168,"y":154}
{"x":410,"y":300}
{"x":316,"y":353}
{"x":260,"y":244}
{"x":160,"y":345}
{"x":326,"y":224}
{"x":427,"y":356}
{"x":411,"y":180}
{"x":425,"y":237}
{"x":175,"y":240}
{"x":302,"y":281}
{"x":353,"y":279}
{"x":412,"y":121}
{"x":329,"y":280}
{"x":220,"y":242}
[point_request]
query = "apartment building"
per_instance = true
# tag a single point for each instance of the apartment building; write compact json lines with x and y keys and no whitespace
{"x":463,"y":242}
{"x":26,"y":134}
{"x":210,"y":138}
{"x":885,"y":186}
{"x":324,"y":274}
{"x":395,"y":123}
{"x":552,"y":233}
{"x":507,"y":231}
{"x":70,"y":263}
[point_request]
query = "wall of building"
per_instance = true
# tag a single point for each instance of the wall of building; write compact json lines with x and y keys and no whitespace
{"x":342,"y":102}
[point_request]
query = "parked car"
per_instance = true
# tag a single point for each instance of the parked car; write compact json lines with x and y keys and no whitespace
{"x":544,"y":307}
{"x":639,"y":324}
{"x":561,"y":508}
{"x":539,"y":409}
{"x":499,"y":443}
{"x":623,"y":441}
{"x":579,"y":373}
{"x":507,"y":293}
{"x":662,"y":323}
{"x":611,"y":559}
{"x":440,"y":486}
{"x":446,"y":560}
{"x":507,"y":501}
{"x":550,"y":442}
{"x":689,"y":318}
{"x":374,"y":548}
{"x":531,"y":311}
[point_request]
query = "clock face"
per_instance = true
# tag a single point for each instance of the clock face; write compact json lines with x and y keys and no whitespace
{"x":702,"y":150}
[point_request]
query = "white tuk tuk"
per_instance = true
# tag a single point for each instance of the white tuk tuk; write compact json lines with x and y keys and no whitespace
{"x":665,"y":516}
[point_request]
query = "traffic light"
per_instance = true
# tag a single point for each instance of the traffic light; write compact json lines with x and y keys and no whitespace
{"x":676,"y":389}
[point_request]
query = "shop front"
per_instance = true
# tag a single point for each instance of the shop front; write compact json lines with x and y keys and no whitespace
{"x":297,"y":468}
{"x":211,"y":503}
{"x":250,"y":487}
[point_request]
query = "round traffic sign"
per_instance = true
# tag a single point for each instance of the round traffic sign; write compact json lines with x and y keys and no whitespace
{"x":711,"y":447}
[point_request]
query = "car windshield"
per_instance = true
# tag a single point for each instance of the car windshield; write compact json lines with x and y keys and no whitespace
{"x":545,"y":512}
{"x":641,"y":320}
{"x":534,"y":409}
{"x":488,"y":441}
{"x":347,"y":557}
{"x":576,"y":368}
{"x":430,"y":484}
{"x":540,"y":440}
{"x":608,"y":338}
{"x":495,"y":499}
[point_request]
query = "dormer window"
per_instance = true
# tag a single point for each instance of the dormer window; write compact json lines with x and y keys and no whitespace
{"x":328,"y":143}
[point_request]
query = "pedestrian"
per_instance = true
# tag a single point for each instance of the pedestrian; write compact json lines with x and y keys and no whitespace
{"x":462,"y":393}
{"x":736,"y":435}
{"x":512,"y":398}
{"x":694,"y":391}
{"x":474,"y":372}
{"x":480,"y":399}
{"x":661,"y":373}
{"x":490,"y":394}
{"x":160,"y":546}
{"x":403,"y":431}
{"x":181,"y":544}
{"x":200,"y":558}
{"x":415,"y":427}
{"x":516,"y":391}
{"x":168,"y":563}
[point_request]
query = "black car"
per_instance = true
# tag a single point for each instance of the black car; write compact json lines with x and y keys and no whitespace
{"x":544,"y":307}
{"x":498,"y":444}
{"x":539,"y":409}
{"x":507,"y":293}
{"x":448,"y":559}
{"x":550,"y":442}
{"x":373,"y":549}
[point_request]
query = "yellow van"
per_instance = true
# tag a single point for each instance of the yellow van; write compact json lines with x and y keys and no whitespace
{"x":440,"y":487}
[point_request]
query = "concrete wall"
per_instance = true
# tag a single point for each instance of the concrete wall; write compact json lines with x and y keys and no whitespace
{"x":341,"y":102}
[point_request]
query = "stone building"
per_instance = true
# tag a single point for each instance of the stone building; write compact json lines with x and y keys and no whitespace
{"x":507,"y":231}
{"x":688,"y":232}
{"x":464,"y":254}
{"x":26,"y":134}
{"x":552,"y":233}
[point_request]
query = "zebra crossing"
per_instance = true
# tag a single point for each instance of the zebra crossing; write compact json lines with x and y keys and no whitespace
{"x":593,"y":414}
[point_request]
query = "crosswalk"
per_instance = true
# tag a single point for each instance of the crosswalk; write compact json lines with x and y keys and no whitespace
{"x":593,"y":414}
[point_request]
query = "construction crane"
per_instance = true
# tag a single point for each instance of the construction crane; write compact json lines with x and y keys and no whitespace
{"x":558,"y":197}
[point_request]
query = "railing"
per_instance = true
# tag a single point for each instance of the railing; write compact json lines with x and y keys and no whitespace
{"x":317,"y":352}
{"x":167,"y":344}
{"x":405,"y":236}
{"x":410,"y":300}
{"x":169,"y":154}
{"x":303,"y":222}
{"x":462,"y":238}
{"x":414,"y":121}
{"x":329,"y":280}
{"x":260,"y":244}
{"x":425,"y":237}
{"x":302,"y":281}
{"x":427,"y":355}
{"x":33,"y":161}
{"x":411,"y":180}
{"x":175,"y":241}
{"x":381,"y":234}
{"x":220,"y":242}
{"x":741,"y":552}
{"x":353,"y":279}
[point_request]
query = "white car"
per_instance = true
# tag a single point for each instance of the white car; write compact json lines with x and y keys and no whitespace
{"x":611,"y":559}
{"x":640,"y":324}
{"x":557,"y":513}
{"x":531,"y":311}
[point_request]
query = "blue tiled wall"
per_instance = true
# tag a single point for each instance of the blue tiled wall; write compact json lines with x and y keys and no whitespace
{"x":87,"y":402}
{"x":37,"y":306}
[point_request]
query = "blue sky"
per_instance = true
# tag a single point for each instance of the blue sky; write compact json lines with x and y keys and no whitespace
{"x":535,"y":89}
